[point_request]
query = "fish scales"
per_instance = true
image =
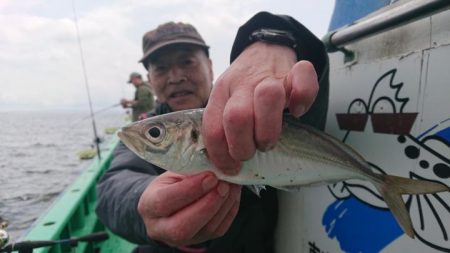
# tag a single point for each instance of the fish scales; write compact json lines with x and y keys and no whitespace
{"x":302,"y":156}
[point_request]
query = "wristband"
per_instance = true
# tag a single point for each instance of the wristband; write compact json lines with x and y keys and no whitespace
{"x":274,"y":36}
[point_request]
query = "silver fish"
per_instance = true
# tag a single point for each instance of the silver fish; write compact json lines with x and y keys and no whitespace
{"x":302,"y":156}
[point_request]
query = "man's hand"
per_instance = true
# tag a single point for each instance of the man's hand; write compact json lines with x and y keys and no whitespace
{"x":124,"y":103}
{"x":245,"y":109}
{"x":142,"y":116}
{"x":183,"y":210}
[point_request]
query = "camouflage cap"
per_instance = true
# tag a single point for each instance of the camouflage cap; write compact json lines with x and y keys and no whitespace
{"x":168,"y":34}
{"x":132,"y":75}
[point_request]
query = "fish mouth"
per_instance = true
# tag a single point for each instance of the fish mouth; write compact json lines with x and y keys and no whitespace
{"x":132,"y":140}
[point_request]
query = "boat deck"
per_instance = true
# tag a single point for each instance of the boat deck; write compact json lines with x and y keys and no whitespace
{"x":73,"y":214}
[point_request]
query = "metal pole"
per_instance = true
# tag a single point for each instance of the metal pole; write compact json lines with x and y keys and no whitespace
{"x":404,"y":13}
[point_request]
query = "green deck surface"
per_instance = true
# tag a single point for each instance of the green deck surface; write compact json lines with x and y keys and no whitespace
{"x":73,"y":214}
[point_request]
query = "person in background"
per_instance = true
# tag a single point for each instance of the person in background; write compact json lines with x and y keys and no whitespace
{"x":143,"y":97}
{"x":277,"y":65}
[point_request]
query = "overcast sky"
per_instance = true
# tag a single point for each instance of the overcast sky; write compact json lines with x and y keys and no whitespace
{"x":40,"y":65}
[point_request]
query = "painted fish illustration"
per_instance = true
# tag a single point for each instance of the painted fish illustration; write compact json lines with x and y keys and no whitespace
{"x":302,"y":156}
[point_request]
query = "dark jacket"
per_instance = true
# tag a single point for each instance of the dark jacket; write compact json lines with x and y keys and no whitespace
{"x":252,"y":230}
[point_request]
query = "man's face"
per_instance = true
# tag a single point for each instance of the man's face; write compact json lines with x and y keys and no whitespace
{"x":181,"y":76}
{"x":136,"y":80}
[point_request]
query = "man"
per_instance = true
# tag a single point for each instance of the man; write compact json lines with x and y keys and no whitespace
{"x":143,"y":97}
{"x":167,"y":212}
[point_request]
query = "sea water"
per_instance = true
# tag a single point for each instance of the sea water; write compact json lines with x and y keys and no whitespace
{"x":38,"y":159}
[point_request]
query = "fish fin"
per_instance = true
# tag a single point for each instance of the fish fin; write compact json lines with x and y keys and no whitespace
{"x":414,"y":186}
{"x":289,"y":188}
{"x":256,"y":188}
{"x":392,"y":189}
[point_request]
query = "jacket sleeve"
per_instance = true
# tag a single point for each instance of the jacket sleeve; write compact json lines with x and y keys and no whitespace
{"x":309,"y":48}
{"x":118,"y":193}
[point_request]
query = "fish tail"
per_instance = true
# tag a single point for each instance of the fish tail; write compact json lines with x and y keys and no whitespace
{"x":392,"y":188}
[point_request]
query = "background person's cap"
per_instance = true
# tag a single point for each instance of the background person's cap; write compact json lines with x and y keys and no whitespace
{"x":168,"y":34}
{"x":134,"y":74}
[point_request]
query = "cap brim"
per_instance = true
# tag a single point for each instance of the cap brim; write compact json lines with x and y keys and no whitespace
{"x":171,"y":42}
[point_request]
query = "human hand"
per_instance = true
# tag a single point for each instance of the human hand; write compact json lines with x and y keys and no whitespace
{"x":142,"y":116}
{"x":124,"y":103}
{"x":184,"y":210}
{"x":245,"y":109}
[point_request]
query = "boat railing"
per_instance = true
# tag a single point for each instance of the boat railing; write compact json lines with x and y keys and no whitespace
{"x":401,"y":13}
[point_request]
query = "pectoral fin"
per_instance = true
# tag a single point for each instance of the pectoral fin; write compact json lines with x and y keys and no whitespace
{"x":256,"y":189}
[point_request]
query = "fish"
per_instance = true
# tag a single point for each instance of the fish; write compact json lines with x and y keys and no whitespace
{"x":302,"y":156}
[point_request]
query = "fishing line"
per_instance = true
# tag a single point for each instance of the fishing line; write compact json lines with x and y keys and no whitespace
{"x":83,"y":65}
{"x":95,"y":113}
{"x":80,"y":120}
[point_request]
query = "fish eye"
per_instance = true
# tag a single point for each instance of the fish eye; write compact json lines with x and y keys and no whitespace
{"x":156,"y":133}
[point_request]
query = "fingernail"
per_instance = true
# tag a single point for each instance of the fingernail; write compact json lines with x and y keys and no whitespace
{"x":209,"y":182}
{"x":233,"y":170}
{"x":299,"y":111}
{"x":223,"y":189}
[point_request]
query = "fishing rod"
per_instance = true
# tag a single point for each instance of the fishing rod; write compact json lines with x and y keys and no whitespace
{"x":28,"y":246}
{"x":97,"y":139}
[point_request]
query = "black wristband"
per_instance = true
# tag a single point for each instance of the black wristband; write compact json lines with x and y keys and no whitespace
{"x":274,"y":36}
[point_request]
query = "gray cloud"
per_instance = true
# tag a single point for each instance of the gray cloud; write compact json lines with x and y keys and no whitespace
{"x":40,"y":62}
